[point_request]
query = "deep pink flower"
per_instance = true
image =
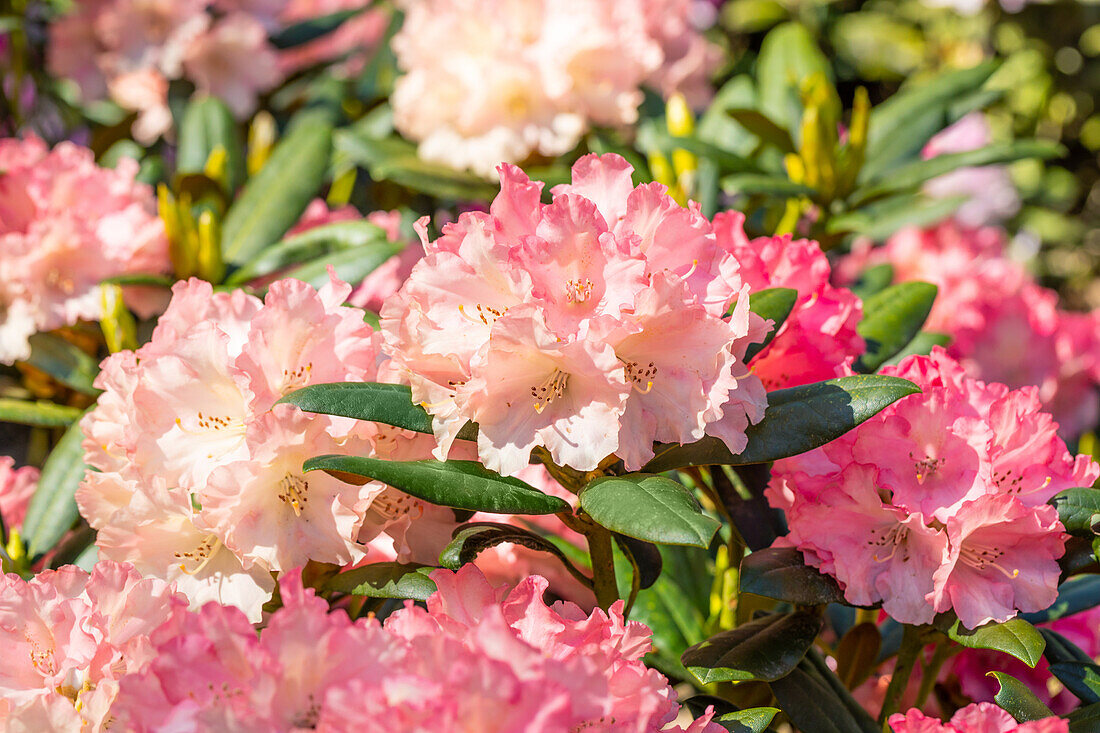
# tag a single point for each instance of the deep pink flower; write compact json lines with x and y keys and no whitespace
{"x":980,"y":717}
{"x":17,"y":486}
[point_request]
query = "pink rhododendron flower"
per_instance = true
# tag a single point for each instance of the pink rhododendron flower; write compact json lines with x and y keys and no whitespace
{"x":475,"y":658}
{"x":1004,"y":327}
{"x":233,"y":62}
{"x":818,"y":340}
{"x":353,"y":41}
{"x":65,"y":225}
{"x":17,"y":486}
{"x":69,"y":637}
{"x":939,"y":502}
{"x":981,"y":717}
{"x":199,"y":480}
{"x":550,"y":324}
{"x":499,"y":81}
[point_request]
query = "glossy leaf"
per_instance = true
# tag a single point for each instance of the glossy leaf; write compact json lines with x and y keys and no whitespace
{"x":766,"y":649}
{"x":1076,"y":507}
{"x":676,"y":606}
{"x":798,"y":419}
{"x":891,"y":319}
{"x":812,"y":705}
{"x":384,"y":580}
{"x":310,"y":245}
{"x":1076,"y":594}
{"x":52,"y":510}
{"x":922,"y":344}
{"x":208,"y":124}
{"x":1015,"y":698}
{"x":753,"y":720}
{"x":650,"y":508}
{"x":40,"y":413}
{"x":390,"y":404}
{"x":774,"y":304}
{"x":352,"y":265}
{"x":472,"y":539}
{"x":873,"y":280}
{"x":273,"y":200}
{"x":310,"y":30}
{"x":645,"y":559}
{"x":782,"y":573}
{"x":1015,"y":637}
{"x":64,"y":362}
{"x":1080,"y":678}
{"x":857,"y":654}
{"x":1085,"y":719}
{"x":458,"y":484}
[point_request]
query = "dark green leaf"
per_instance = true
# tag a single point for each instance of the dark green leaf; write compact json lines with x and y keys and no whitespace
{"x":812,"y":705}
{"x":873,"y":279}
{"x":1080,"y":678}
{"x":1015,"y":636}
{"x":766,"y":649}
{"x":762,"y":184}
{"x":390,"y":404}
{"x":649,"y":508}
{"x":384,"y":580}
{"x":458,"y":484}
{"x":788,"y":55}
{"x":1060,"y":649}
{"x":798,"y":419}
{"x":781,"y":573}
{"x":773,"y":304}
{"x":753,"y":720}
{"x":351,"y":265}
{"x":142,"y":279}
{"x":207,"y":124}
{"x":857,"y":654}
{"x":472,"y":539}
{"x":310,"y":30}
{"x":922,"y":345}
{"x":645,"y":559}
{"x":309,"y":245}
{"x":273,"y":200}
{"x":758,"y":124}
{"x":64,"y":362}
{"x":40,"y":414}
{"x":726,"y":161}
{"x":891,"y":319}
{"x":676,"y":606}
{"x":1016,"y":699}
{"x":1077,"y":594}
{"x":1076,"y":507}
{"x":1085,"y":720}
{"x":52,"y":510}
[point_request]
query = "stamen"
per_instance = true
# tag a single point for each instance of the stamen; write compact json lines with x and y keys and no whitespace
{"x":294,"y":491}
{"x":639,"y":375}
{"x":204,"y":552}
{"x":551,"y":389}
{"x":577,"y":291}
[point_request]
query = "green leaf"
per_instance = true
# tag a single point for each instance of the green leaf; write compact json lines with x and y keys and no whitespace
{"x":753,"y":720}
{"x":1076,"y":507}
{"x":798,"y":419}
{"x":64,"y":362}
{"x":52,"y":510}
{"x":766,"y":649}
{"x":922,"y":345}
{"x":879,"y":220}
{"x":309,"y":245}
{"x":458,"y":484}
{"x":351,"y":265}
{"x":873,"y":279}
{"x":1080,"y":678}
{"x":891,"y":319}
{"x":763,"y":184}
{"x":758,"y":124}
{"x":1015,"y":637}
{"x":1017,"y":700}
{"x":207,"y":124}
{"x":782,"y":573}
{"x":676,"y":606}
{"x":774,"y":304}
{"x":142,"y":279}
{"x":1076,"y":594}
{"x":273,"y":200}
{"x":390,"y":404}
{"x":857,"y":654}
{"x":384,"y":580}
{"x":470,"y":540}
{"x":650,"y":508}
{"x":788,"y":55}
{"x":40,"y":414}
{"x":1085,"y":720}
{"x":310,"y":30}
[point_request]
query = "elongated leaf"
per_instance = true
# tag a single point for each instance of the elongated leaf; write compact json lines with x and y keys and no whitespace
{"x":756,"y":184}
{"x":758,"y":124}
{"x":309,"y":245}
{"x":676,"y":606}
{"x":40,"y":413}
{"x":753,"y":720}
{"x":645,"y":559}
{"x":766,"y":649}
{"x":857,"y":654}
{"x":882,"y":218}
{"x":1076,"y":507}
{"x":649,"y":508}
{"x":310,"y":30}
{"x":64,"y":362}
{"x":143,"y":279}
{"x":1077,"y":594}
{"x":873,"y":280}
{"x":351,"y":265}
{"x":922,"y":344}
{"x":458,"y":484}
{"x":385,"y":580}
{"x":1085,"y":720}
{"x":798,"y":419}
{"x":781,"y":573}
{"x":773,"y":304}
{"x":813,"y":706}
{"x":1015,"y":636}
{"x":1080,"y":678}
{"x":472,"y":539}
{"x":1020,"y":702}
{"x":52,"y":510}
{"x":273,"y":200}
{"x":788,"y":55}
{"x":208,"y":124}
{"x":390,"y":404}
{"x":891,"y":319}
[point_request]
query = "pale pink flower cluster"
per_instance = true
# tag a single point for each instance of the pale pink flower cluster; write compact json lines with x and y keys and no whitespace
{"x":983,"y":717}
{"x":199,"y":477}
{"x":17,"y":486}
{"x":66,"y":225}
{"x":491,"y":81}
{"x":69,"y":637}
{"x":1005,"y":327}
{"x":818,"y":340}
{"x":939,"y":502}
{"x":590,"y":326}
{"x":474,"y":659}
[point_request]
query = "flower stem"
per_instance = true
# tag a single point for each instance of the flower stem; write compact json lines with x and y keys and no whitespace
{"x":907,"y":656}
{"x":603,"y":566}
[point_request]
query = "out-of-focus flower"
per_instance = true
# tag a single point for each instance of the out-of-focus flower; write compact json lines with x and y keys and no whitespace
{"x":233,"y":62}
{"x":17,"y":486}
{"x":938,"y":502}
{"x":981,"y":717}
{"x":499,"y":81}
{"x":66,"y":225}
{"x":69,"y":637}
{"x":549,"y":325}
{"x":1004,"y":327}
{"x":475,"y":658}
